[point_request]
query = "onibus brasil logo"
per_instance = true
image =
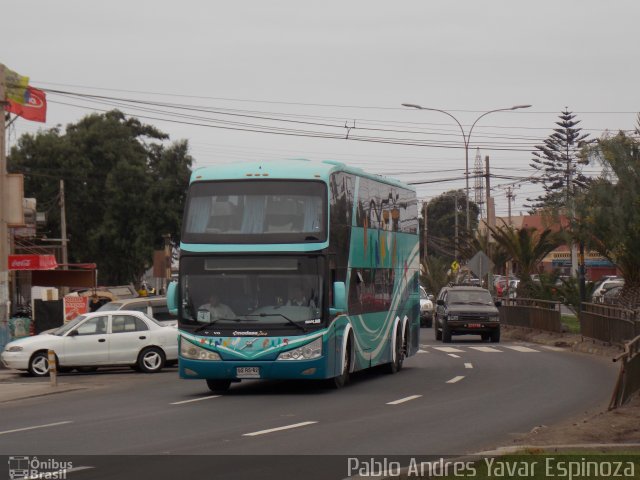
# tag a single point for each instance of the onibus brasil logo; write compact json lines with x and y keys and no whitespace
{"x":24,"y":467}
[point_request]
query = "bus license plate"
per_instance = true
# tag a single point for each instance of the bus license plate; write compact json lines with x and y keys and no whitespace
{"x":248,"y":372}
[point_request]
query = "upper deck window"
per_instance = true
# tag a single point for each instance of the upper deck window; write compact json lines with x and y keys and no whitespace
{"x":256,"y":211}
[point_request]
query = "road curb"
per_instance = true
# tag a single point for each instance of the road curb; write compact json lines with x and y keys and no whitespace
{"x":8,"y":396}
{"x":568,"y":341}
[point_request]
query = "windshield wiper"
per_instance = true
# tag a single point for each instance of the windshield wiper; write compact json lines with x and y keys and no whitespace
{"x":207,"y":325}
{"x":278,"y":315}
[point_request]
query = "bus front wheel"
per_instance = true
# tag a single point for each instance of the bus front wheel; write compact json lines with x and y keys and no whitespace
{"x":342,"y":379}
{"x":218,"y":386}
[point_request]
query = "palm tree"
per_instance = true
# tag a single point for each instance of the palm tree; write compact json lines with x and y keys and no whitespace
{"x":526,"y":248}
{"x":611,"y":210}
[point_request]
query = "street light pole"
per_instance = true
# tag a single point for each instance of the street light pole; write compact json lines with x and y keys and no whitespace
{"x":466,"y":137}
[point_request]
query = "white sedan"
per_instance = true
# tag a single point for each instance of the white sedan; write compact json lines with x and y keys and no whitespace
{"x":123,"y":337}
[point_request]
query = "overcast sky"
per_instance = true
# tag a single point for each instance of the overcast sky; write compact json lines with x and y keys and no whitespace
{"x":310,"y":68}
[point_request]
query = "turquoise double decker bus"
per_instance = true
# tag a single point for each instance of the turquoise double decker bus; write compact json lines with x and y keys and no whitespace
{"x":295,"y":270}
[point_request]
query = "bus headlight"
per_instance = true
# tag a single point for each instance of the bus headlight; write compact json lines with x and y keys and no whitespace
{"x":306,"y":352}
{"x":189,"y":350}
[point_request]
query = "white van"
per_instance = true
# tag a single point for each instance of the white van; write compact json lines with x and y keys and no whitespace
{"x":155,"y":307}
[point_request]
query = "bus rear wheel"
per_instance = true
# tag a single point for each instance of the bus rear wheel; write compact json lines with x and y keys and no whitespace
{"x":218,"y":386}
{"x":400,"y":350}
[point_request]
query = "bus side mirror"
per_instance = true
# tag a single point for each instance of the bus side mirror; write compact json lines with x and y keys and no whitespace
{"x":339,"y":298}
{"x":172,"y":297}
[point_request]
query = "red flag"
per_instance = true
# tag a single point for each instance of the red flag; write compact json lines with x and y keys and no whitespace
{"x":34,"y":108}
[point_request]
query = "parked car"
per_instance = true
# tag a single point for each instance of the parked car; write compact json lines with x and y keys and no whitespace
{"x":603,"y":286}
{"x":426,"y":308}
{"x":466,"y":310}
{"x":611,"y":295}
{"x":155,"y":307}
{"x":123,"y":337}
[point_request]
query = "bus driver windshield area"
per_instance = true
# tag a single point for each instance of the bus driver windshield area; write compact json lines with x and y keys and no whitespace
{"x":222,"y":295}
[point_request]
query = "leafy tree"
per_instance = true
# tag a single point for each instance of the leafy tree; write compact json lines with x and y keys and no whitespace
{"x":560,"y":162}
{"x":441,"y":221}
{"x":123,"y":189}
{"x":437,"y":274}
{"x":526,"y":248}
{"x":611,"y":210}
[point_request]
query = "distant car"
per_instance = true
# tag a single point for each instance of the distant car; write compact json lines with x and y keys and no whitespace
{"x":155,"y":307}
{"x":426,"y":308}
{"x":98,"y":339}
{"x":611,"y":295}
{"x":466,"y":311}
{"x":603,"y":286}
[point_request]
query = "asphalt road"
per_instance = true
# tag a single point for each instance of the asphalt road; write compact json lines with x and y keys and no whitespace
{"x":463,"y":397}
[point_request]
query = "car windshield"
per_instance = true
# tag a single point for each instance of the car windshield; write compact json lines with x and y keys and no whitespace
{"x":251,"y":291}
{"x":69,"y":325}
{"x":479,"y":297}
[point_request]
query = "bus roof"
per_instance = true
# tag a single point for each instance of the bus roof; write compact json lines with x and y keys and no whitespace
{"x":285,"y":169}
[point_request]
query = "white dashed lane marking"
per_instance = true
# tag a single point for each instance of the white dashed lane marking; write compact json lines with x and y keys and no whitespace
{"x":455,"y":379}
{"x":453,"y":355}
{"x":209,"y":397}
{"x":402,"y":400}
{"x":449,"y":349}
{"x":468,"y":365}
{"x":278,"y":429}
{"x":36,"y":426}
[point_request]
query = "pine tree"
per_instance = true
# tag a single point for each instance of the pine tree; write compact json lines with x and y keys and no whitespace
{"x":560,"y":161}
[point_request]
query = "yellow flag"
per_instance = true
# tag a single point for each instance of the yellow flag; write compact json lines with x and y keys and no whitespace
{"x":16,"y":86}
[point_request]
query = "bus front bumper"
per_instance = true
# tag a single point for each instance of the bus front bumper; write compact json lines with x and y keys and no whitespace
{"x":249,"y":370}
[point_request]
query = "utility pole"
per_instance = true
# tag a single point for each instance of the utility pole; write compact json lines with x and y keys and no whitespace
{"x":456,"y":225}
{"x":490,"y":219}
{"x":424,"y":216}
{"x":4,"y":201}
{"x":63,"y":226}
{"x":510,"y":196}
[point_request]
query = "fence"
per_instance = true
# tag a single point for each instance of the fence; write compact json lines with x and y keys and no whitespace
{"x":608,"y":323}
{"x":531,"y":313}
{"x":629,"y":377}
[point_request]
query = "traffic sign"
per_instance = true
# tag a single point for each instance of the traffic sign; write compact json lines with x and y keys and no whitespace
{"x":480,"y":264}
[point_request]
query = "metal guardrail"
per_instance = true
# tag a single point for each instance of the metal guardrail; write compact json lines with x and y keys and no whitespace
{"x":608,"y":323}
{"x":629,"y":377}
{"x":531,"y":313}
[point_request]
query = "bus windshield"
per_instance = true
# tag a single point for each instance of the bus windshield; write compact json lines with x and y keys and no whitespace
{"x":251,"y":292}
{"x":255,"y":211}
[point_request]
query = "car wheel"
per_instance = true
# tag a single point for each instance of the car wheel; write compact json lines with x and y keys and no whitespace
{"x":485,"y":337}
{"x":437,"y":331}
{"x":495,"y":336}
{"x":399,"y":353}
{"x":218,"y":386}
{"x":430,"y":322}
{"x":151,"y":360}
{"x":39,"y":364}
{"x":446,"y":334}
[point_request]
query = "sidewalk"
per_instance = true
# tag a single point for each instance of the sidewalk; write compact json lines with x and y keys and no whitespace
{"x":15,"y":385}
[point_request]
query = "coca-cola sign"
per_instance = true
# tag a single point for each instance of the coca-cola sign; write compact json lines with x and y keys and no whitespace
{"x":32,"y":262}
